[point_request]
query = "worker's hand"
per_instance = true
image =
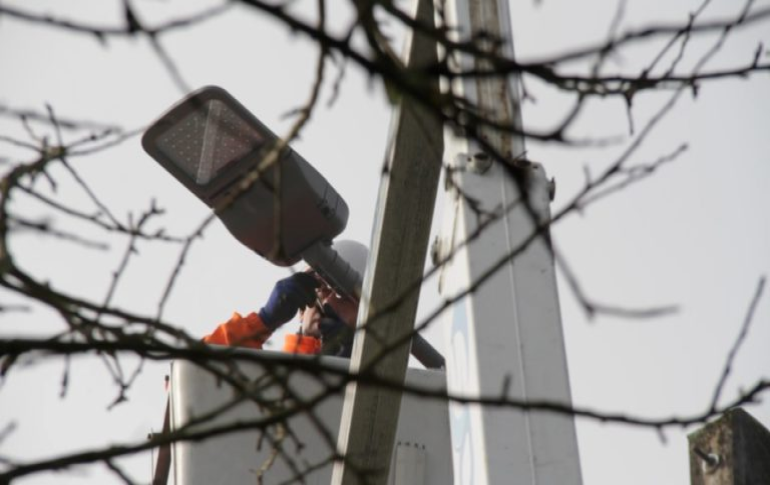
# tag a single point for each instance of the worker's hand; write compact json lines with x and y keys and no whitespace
{"x":336,"y":335}
{"x":289,"y":295}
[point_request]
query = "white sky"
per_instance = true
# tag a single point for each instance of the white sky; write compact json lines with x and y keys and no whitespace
{"x":696,"y":234}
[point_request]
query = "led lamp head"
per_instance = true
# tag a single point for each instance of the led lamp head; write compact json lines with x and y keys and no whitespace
{"x":218,"y":149}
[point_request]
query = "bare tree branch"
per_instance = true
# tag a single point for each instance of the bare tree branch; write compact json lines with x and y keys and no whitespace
{"x":119,"y":336}
{"x":738,"y":342}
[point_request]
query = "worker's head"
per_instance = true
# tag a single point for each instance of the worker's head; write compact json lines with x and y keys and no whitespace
{"x":330,"y":304}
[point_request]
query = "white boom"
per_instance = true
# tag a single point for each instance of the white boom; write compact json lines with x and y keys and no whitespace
{"x":506,"y":335}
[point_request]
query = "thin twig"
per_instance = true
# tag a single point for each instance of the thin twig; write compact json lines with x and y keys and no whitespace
{"x":738,"y":342}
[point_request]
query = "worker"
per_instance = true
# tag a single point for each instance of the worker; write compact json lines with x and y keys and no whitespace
{"x":327,"y":320}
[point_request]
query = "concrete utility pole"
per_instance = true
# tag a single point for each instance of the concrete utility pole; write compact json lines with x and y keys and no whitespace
{"x":504,"y":340}
{"x":397,"y":259}
{"x":733,"y":450}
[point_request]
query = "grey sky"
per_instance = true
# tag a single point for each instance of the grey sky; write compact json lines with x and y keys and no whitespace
{"x":695,"y":235}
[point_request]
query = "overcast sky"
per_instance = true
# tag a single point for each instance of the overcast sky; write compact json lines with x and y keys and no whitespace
{"x":695,"y":235}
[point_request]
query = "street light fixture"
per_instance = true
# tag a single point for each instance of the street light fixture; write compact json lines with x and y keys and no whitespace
{"x":214,"y":146}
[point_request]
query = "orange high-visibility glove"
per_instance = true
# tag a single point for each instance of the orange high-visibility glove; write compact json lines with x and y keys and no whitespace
{"x":301,"y":344}
{"x":240,"y":331}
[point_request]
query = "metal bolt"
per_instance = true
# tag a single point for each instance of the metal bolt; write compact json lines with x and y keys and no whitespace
{"x":479,"y":162}
{"x":711,"y":461}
